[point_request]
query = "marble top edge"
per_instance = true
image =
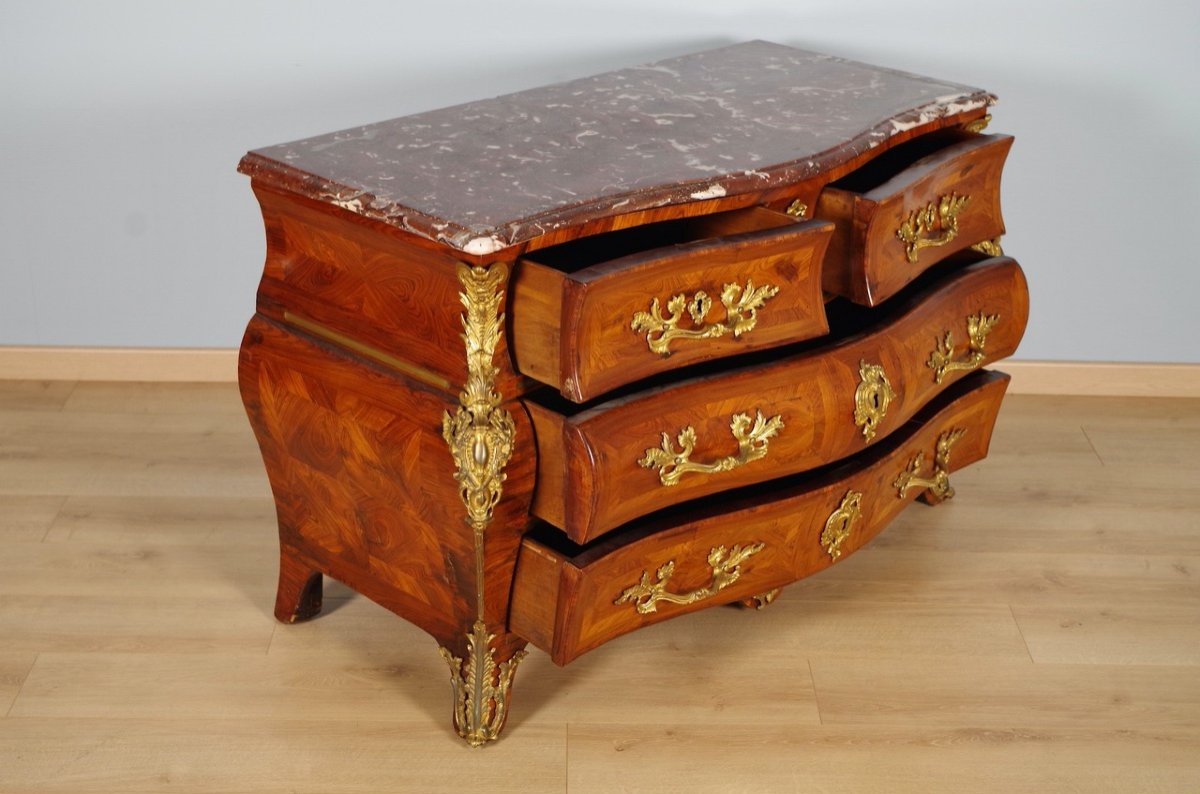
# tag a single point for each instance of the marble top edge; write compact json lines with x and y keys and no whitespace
{"x":486,"y":175}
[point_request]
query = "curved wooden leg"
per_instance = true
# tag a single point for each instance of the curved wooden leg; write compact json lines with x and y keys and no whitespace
{"x":300,"y":589}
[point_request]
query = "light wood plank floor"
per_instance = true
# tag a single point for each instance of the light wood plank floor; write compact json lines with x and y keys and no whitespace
{"x":1039,"y":633}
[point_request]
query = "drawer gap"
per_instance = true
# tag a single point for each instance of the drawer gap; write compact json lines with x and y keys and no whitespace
{"x":880,"y":169}
{"x":576,"y":255}
{"x":847,"y":318}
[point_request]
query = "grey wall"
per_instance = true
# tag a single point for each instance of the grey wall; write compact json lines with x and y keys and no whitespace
{"x":121,"y":122}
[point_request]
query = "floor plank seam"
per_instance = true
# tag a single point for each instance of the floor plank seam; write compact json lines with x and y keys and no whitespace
{"x":812,"y":678}
{"x":1021,"y":634}
{"x":66,"y":400}
{"x":1095,"y":451}
{"x":21,"y":688}
{"x":54,"y":519}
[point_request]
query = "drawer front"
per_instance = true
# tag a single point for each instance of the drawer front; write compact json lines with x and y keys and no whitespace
{"x":608,"y":465}
{"x":567,"y":604}
{"x":889,"y":234}
{"x":735,"y":282}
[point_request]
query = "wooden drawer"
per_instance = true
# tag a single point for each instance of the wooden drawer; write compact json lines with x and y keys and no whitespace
{"x":601,"y":467}
{"x":606,"y":310}
{"x":567,"y":600}
{"x":908,"y":209}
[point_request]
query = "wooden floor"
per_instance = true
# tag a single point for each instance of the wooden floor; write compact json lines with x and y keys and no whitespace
{"x":1039,"y":633}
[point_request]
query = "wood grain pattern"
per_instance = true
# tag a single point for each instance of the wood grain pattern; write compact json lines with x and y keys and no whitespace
{"x":588,"y":347}
{"x":14,"y":667}
{"x":61,"y":364}
{"x":364,"y":486}
{"x":262,"y":753}
{"x":867,"y":262}
{"x":122,"y":622}
{"x":215,"y":520}
{"x":916,"y":758}
{"x":813,"y":391}
{"x":566,"y":604}
{"x":27,"y":518}
{"x":339,"y":271}
{"x":1071,"y":696}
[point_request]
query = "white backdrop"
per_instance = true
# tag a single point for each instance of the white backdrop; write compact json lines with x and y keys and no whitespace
{"x":121,"y":122}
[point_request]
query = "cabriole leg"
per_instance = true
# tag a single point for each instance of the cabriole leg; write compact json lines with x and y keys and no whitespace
{"x":298,"y":597}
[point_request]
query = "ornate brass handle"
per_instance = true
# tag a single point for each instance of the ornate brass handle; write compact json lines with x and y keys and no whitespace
{"x":726,"y":569}
{"x":941,"y":360}
{"x":920,"y":223}
{"x":752,"y":444}
{"x":741,"y":315}
{"x":840,"y":522}
{"x":872,"y":398}
{"x":938,"y":486}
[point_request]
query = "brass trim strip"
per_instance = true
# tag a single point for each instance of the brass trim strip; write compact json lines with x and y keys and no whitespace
{"x":480,"y":435}
{"x":375,"y":354}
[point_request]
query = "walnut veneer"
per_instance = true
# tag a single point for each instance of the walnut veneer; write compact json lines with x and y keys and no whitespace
{"x":547,"y":368}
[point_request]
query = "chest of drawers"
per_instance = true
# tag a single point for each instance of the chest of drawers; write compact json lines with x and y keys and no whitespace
{"x":547,"y":368}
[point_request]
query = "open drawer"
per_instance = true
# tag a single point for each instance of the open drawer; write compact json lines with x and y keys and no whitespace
{"x":601,"y":311}
{"x":610,"y":463}
{"x":568,"y":599}
{"x":909,"y":209}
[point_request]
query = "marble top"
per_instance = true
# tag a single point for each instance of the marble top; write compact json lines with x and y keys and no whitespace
{"x":490,"y":174}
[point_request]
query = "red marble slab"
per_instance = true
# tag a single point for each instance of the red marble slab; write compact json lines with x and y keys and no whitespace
{"x":486,"y":175}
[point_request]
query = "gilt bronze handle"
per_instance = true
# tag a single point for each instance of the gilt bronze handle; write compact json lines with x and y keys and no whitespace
{"x":741,"y":315}
{"x":941,"y":360}
{"x":937,"y":485}
{"x":752,"y":437}
{"x":917,"y":228}
{"x":726,"y":569}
